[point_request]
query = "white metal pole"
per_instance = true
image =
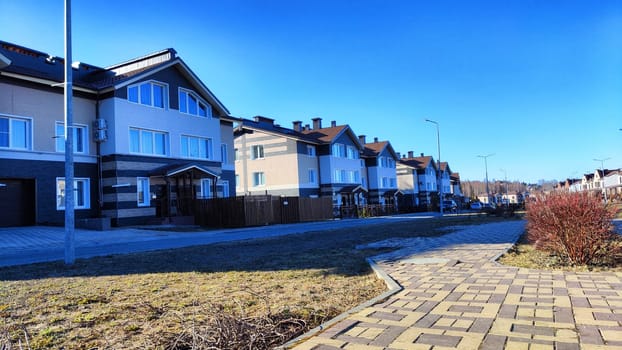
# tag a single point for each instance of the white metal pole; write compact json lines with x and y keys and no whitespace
{"x":70,"y":254}
{"x":440,"y":172}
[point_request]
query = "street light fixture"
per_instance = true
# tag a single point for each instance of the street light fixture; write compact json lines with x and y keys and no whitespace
{"x":440,"y":172}
{"x":507,"y":192}
{"x":486,"y":165}
{"x":602,"y":168}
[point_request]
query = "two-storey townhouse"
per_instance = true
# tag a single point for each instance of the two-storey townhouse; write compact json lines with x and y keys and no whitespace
{"x":270,"y":159}
{"x":613,"y":183}
{"x":380,"y":163}
{"x":408,"y":184}
{"x":152,"y":136}
{"x":342,"y":171}
{"x":426,"y":176}
{"x":445,"y":179}
{"x":456,"y":189}
{"x":31,"y":139}
{"x":587,"y":182}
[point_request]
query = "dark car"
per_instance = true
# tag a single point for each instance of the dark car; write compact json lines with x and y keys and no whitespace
{"x":450,"y":205}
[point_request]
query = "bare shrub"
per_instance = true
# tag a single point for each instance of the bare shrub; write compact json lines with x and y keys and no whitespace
{"x":574,"y":226}
{"x":226,"y":330}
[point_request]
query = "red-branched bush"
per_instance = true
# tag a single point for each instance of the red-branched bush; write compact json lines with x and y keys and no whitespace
{"x":575,"y":227}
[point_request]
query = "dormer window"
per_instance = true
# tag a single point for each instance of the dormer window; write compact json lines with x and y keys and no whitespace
{"x":149,"y":93}
{"x":190,"y":103}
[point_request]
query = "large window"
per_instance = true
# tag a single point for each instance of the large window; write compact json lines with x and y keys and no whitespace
{"x":149,"y":94}
{"x":206,"y":188}
{"x":224,"y":155}
{"x":15,"y":133}
{"x":259,"y":179}
{"x":222,"y":189}
{"x":190,"y":103}
{"x":339,"y":150}
{"x":236,"y":154}
{"x":310,"y":150}
{"x":352,"y":153}
{"x":196,"y":147}
{"x":147,"y":142}
{"x":312,"y":176}
{"x":143,"y":196}
{"x":257,"y":152}
{"x":81,"y":187}
{"x":80,"y":138}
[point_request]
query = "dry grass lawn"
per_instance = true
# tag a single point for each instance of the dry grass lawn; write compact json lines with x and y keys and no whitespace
{"x":194,"y":297}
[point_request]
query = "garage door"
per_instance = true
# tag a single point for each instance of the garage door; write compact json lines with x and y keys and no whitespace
{"x":17,"y":202}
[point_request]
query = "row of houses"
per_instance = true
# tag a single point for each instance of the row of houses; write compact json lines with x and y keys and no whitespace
{"x":149,"y":137}
{"x":608,"y":182}
{"x":313,"y":160}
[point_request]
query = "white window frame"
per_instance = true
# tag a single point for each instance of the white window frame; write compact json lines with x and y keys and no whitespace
{"x":339,"y":150}
{"x":153,"y":143}
{"x":257,"y":152}
{"x":143,"y":187}
{"x":187,"y":94}
{"x":151,"y":84}
{"x":224,"y":188}
{"x":236,"y":154}
{"x":10,"y":136}
{"x":60,"y":137}
{"x":86,"y":193}
{"x":259,"y":179}
{"x":237,"y":181}
{"x":312,"y":173}
{"x":224,"y":154}
{"x":351,"y":152}
{"x":209,"y":148}
{"x":207,"y":188}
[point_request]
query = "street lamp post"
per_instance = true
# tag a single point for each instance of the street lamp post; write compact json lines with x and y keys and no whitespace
{"x":486,"y":166}
{"x":602,"y":181}
{"x":507,"y":192}
{"x":440,"y":172}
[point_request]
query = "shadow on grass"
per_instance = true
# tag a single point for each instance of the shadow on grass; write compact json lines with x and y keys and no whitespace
{"x":332,"y":251}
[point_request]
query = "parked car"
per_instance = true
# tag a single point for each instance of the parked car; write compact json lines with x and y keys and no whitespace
{"x":476,"y":206}
{"x":450,"y":205}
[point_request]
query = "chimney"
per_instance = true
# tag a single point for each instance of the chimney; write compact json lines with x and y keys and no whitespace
{"x":263,"y":120}
{"x":362,"y":139}
{"x":375,"y":140}
{"x":411,"y":154}
{"x":307,"y":128}
{"x":399,"y":155}
{"x":422,"y":154}
{"x":333,"y":123}
{"x":317,"y":123}
{"x":297,"y":125}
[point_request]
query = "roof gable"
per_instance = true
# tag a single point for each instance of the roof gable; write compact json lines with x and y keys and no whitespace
{"x":331,"y":134}
{"x":266,"y":125}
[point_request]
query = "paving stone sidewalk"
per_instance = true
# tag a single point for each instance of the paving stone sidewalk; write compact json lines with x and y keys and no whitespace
{"x":456,"y":297}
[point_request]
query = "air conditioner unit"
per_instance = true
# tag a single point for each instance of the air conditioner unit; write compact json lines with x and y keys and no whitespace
{"x":100,"y":124}
{"x":100,"y":135}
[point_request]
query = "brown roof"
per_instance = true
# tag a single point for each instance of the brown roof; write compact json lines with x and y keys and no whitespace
{"x":417,"y":162}
{"x":374,"y":149}
{"x":325,"y":134}
{"x":455,"y":176}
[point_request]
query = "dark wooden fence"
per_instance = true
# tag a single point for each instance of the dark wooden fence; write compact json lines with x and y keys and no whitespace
{"x":364,"y":211}
{"x":260,"y":210}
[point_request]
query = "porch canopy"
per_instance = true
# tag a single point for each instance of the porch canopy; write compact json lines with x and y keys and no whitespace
{"x":177,"y":169}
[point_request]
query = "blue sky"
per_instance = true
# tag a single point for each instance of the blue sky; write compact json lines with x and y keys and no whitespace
{"x":537,"y":83}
